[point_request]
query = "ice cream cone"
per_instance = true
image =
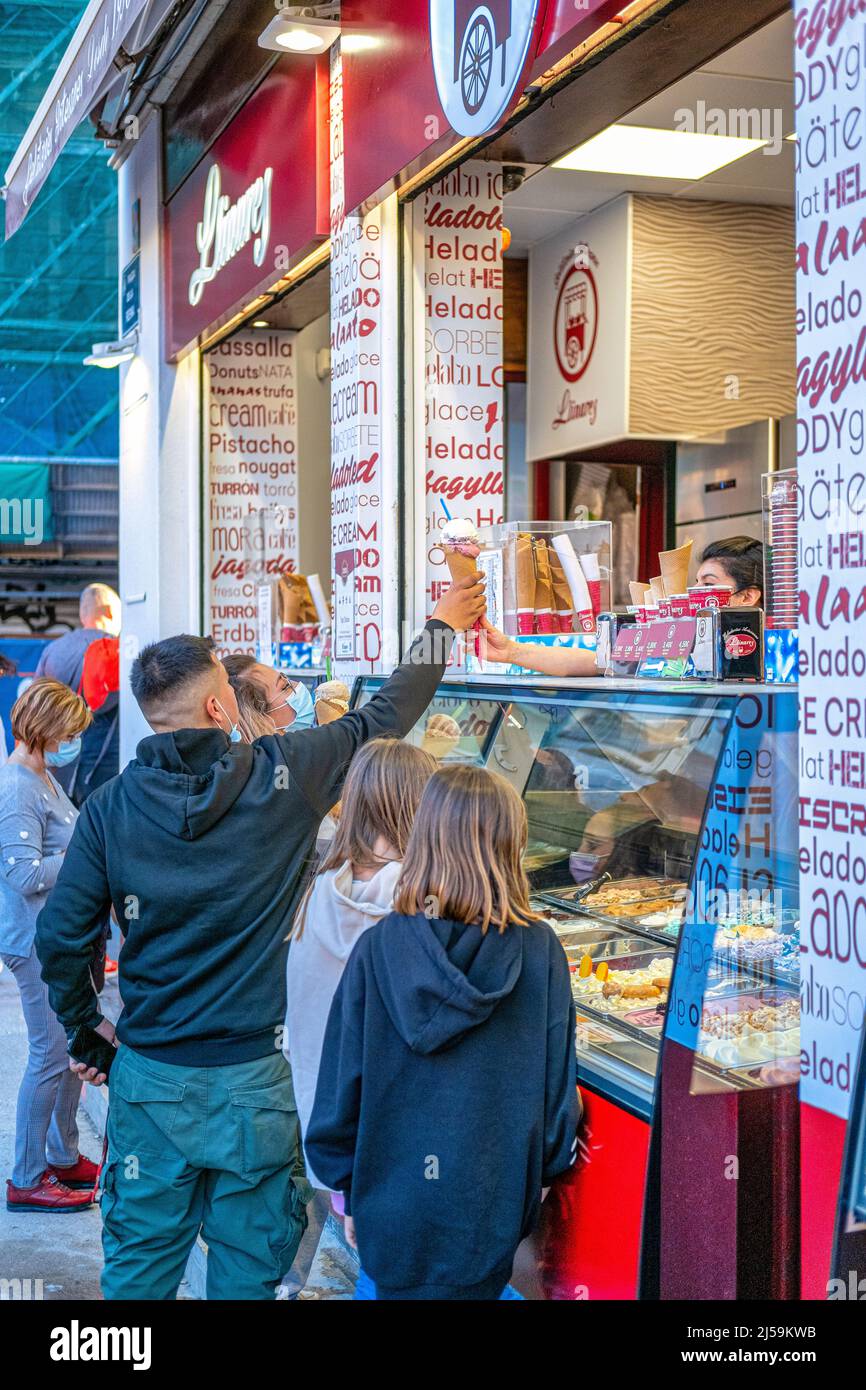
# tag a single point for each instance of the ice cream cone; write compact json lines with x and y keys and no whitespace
{"x":638,"y":592}
{"x":657,"y":589}
{"x":332,"y":701}
{"x":674,"y":565}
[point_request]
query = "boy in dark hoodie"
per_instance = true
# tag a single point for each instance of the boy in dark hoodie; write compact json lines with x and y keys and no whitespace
{"x":200,"y":845}
{"x":446,"y":1099}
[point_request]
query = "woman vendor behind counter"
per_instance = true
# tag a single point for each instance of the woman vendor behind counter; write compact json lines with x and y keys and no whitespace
{"x":736,"y":564}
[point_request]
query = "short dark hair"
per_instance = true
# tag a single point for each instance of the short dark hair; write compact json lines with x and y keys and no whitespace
{"x":165,"y":667}
{"x":742,"y":557}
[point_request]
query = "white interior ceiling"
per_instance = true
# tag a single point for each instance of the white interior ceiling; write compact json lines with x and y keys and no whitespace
{"x":757,"y":73}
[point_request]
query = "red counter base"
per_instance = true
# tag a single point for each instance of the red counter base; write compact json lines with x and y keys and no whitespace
{"x":822,"y":1140}
{"x":591,"y":1224}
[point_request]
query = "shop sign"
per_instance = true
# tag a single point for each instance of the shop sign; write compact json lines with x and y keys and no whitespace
{"x":226,"y":228}
{"x":831,"y":418}
{"x":464,"y":378}
{"x":251,"y":494}
{"x":578,"y":334}
{"x":249,"y":210}
{"x":130,"y":296}
{"x":364,"y":319}
{"x":431,"y":72}
{"x":87,"y":65}
{"x":479,"y":53}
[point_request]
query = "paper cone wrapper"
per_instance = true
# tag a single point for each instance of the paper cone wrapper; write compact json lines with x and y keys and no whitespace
{"x":525,"y":585}
{"x":638,"y":592}
{"x":657,"y":589}
{"x":563,"y":603}
{"x":674,"y":565}
{"x":544,"y":616}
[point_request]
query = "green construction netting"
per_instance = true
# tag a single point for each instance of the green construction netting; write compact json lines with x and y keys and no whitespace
{"x":58,"y":274}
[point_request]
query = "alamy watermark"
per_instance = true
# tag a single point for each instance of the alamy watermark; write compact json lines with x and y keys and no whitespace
{"x":743,"y":122}
{"x":23,"y":516}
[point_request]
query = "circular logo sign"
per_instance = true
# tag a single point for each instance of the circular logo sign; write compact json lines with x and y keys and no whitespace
{"x":740,"y":644}
{"x":575,"y":322}
{"x":479,"y":54}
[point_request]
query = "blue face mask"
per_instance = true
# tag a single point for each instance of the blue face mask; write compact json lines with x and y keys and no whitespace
{"x":301,"y":701}
{"x":65,"y":753}
{"x":235,"y":735}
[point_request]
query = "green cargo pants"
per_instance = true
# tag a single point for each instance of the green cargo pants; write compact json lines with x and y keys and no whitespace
{"x":214,"y":1150}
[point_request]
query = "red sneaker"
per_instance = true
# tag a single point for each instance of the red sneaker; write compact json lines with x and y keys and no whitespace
{"x":49,"y":1195}
{"x":80,"y":1174}
{"x":110,"y":966}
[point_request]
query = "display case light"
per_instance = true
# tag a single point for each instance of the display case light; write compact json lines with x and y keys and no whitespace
{"x":286,"y":33}
{"x":112,"y":354}
{"x":646,"y":152}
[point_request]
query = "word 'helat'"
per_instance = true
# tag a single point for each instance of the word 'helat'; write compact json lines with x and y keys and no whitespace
{"x":226,"y":228}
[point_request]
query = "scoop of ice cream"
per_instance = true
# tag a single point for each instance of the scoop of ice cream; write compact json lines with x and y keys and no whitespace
{"x":441,"y":735}
{"x":460,"y":534}
{"x":332,"y":701}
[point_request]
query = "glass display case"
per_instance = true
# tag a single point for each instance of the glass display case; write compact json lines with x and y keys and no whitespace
{"x":621,"y":786}
{"x":662,"y":848}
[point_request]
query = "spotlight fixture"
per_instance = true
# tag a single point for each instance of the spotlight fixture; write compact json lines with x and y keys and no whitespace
{"x":286,"y":33}
{"x":112,"y":354}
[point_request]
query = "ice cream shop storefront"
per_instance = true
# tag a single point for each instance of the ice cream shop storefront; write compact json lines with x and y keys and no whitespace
{"x":513,"y":283}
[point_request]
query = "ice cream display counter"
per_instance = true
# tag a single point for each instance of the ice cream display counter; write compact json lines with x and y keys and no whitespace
{"x":663,"y":850}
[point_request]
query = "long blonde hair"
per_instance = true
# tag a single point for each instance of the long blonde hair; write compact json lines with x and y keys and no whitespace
{"x":464,"y":858}
{"x":380,"y":797}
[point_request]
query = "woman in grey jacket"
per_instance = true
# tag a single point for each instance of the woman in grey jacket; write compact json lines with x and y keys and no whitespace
{"x":36,"y":824}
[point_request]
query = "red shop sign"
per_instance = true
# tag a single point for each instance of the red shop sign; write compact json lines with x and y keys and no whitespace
{"x":252,"y":207}
{"x":419,"y":75}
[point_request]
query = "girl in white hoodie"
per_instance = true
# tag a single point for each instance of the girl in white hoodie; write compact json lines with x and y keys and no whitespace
{"x":352,"y":890}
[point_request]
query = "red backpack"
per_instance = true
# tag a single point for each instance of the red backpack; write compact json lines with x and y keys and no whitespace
{"x":100,"y":675}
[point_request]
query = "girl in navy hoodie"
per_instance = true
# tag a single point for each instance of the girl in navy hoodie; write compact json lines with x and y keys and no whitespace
{"x":446,"y":1098}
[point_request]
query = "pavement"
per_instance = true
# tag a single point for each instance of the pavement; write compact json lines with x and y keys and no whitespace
{"x":64,"y":1252}
{"x":61,"y":1255}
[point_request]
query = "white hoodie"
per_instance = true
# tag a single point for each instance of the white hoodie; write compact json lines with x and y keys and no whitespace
{"x":339,"y":911}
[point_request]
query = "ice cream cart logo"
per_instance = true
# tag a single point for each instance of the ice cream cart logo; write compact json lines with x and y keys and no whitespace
{"x":575,"y":322}
{"x":480,"y":52}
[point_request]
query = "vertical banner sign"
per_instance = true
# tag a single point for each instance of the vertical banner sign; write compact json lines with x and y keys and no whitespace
{"x":252,"y":486}
{"x":463,"y":373}
{"x":831,"y":394}
{"x":357,"y":457}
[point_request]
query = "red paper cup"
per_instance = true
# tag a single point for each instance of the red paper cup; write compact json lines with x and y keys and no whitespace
{"x":546,"y":621}
{"x":526,"y":621}
{"x":679,"y":606}
{"x":710,"y":596}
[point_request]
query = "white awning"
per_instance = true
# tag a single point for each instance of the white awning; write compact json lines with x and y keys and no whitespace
{"x":90,"y":65}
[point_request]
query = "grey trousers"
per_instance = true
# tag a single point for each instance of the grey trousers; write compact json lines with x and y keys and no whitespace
{"x":45,"y":1127}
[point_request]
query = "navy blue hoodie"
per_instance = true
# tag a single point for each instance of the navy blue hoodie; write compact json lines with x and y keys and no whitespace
{"x":446,"y":1099}
{"x":200,"y":845}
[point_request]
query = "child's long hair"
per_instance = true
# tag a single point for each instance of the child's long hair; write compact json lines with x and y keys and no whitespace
{"x":464,"y":859}
{"x":380,"y":798}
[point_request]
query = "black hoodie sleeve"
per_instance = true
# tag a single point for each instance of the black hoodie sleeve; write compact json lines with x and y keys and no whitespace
{"x":561,"y":1101}
{"x":70,"y":923}
{"x":332,"y":1133}
{"x":319,"y":758}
